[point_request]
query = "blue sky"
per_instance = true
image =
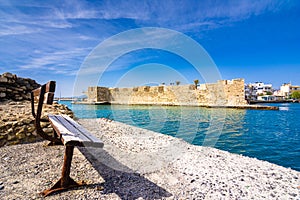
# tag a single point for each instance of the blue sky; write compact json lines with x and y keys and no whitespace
{"x":49,"y":40}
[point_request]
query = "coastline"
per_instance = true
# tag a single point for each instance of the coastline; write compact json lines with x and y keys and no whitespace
{"x":246,"y":106}
{"x":137,"y":163}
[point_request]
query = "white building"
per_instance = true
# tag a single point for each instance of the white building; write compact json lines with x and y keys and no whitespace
{"x":270,"y":98}
{"x":261,"y":88}
{"x":252,"y":90}
{"x":287,"y":89}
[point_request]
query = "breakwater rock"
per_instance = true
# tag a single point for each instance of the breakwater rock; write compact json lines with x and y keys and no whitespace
{"x":16,"y":88}
{"x":17,"y":122}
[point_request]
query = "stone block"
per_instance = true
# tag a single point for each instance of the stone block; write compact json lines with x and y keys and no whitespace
{"x":18,"y":98}
{"x":23,"y":88}
{"x":8,"y":75}
{"x":21,"y":135}
{"x":26,"y":121}
{"x":2,"y":95}
{"x":3,"y":79}
{"x":2,"y":89}
{"x":48,"y":130}
{"x":11,"y":136}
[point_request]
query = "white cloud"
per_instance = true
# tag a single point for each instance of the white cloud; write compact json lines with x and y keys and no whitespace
{"x":180,"y":15}
{"x":187,"y":15}
{"x":23,"y":18}
{"x":59,"y":62}
{"x":15,"y":30}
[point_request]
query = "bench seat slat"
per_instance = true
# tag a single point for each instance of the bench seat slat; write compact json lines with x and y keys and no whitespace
{"x":82,"y":130}
{"x":72,"y":133}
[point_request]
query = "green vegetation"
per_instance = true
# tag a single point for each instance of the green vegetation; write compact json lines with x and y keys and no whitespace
{"x":296,"y":95}
{"x":196,"y":82}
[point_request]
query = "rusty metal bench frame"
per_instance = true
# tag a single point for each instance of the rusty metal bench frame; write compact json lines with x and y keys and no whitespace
{"x":67,"y":132}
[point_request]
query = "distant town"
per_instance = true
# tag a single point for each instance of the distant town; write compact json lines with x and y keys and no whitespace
{"x":261,"y":92}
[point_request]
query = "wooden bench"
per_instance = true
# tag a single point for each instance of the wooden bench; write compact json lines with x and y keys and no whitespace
{"x":66,"y":132}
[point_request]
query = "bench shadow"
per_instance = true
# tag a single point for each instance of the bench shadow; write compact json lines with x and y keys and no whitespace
{"x":123,"y":182}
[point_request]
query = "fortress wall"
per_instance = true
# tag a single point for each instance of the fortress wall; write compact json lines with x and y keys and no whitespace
{"x":235,"y":92}
{"x":212,"y":94}
{"x":96,"y":94}
{"x":162,"y":95}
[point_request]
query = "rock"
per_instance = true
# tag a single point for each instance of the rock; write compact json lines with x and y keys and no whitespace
{"x":1,"y":187}
{"x":3,"y":80}
{"x":8,"y":75}
{"x":26,"y":121}
{"x":31,"y":129}
{"x":23,"y":88}
{"x":16,"y":88}
{"x":19,"y":98}
{"x":10,"y":137}
{"x":2,"y":95}
{"x":48,"y":130}
{"x":21,"y":134}
{"x":10,"y":130}
{"x":44,"y":124}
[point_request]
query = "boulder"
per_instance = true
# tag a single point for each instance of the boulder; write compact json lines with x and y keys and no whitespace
{"x":8,"y":75}
{"x":2,"y":95}
{"x":3,"y":79}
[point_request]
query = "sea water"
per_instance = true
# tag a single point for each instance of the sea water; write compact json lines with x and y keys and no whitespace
{"x":268,"y":135}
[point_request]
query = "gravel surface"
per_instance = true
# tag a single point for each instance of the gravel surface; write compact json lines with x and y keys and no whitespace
{"x":141,"y":164}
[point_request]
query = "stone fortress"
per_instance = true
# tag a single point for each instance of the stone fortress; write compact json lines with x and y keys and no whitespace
{"x":221,"y":93}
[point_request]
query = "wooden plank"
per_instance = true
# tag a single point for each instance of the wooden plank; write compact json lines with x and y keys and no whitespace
{"x":50,"y":86}
{"x":49,"y":97}
{"x":86,"y":133}
{"x":72,"y":133}
{"x":36,"y":92}
{"x":64,"y":130}
{"x":49,"y":92}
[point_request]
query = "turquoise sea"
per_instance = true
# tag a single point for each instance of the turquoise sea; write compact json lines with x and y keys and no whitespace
{"x":273,"y":136}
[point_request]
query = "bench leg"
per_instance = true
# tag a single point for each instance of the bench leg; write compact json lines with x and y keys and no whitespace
{"x":52,"y":143}
{"x":65,"y":182}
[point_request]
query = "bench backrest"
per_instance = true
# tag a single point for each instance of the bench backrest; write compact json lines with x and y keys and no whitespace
{"x":41,"y":95}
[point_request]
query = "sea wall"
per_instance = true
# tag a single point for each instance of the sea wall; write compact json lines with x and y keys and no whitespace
{"x":222,"y":93}
{"x":16,"y":88}
{"x":162,"y":95}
